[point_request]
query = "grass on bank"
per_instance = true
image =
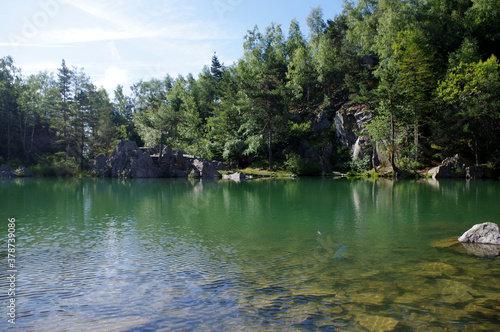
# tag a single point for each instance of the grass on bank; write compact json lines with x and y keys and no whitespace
{"x":265,"y":173}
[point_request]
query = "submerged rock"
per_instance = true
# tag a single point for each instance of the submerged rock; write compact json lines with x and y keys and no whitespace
{"x":454,"y":292}
{"x":341,"y":253}
{"x":445,"y":243}
{"x":377,"y":323}
{"x":481,"y":249}
{"x":488,"y":233}
{"x":487,"y":307}
{"x":436,"y":269}
{"x":368,"y":298}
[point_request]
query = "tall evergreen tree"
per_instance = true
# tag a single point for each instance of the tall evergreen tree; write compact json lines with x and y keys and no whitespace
{"x":416,"y":78}
{"x":65,"y":77}
{"x":216,"y":68}
{"x":264,"y":80}
{"x":9,"y":92}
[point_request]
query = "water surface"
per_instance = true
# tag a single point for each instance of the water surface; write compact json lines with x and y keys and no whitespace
{"x":153,"y":255}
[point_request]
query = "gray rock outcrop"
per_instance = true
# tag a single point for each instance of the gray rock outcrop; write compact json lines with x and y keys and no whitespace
{"x":204,"y":169}
{"x":351,"y":132}
{"x":21,"y":171}
{"x":98,"y":165}
{"x":6,"y":171}
{"x":485,"y":233}
{"x":234,"y":177}
{"x":450,"y":168}
{"x":130,"y":161}
{"x":458,"y":167}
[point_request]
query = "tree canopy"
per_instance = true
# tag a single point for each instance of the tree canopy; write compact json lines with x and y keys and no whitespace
{"x":427,"y":70}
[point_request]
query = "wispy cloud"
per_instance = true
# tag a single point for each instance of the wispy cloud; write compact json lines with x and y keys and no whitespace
{"x":33,"y":45}
{"x":123,"y":41}
{"x":117,"y":21}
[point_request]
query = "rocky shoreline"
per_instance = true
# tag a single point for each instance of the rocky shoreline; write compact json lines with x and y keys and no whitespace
{"x":21,"y":171}
{"x":130,"y":161}
{"x":456,"y":167}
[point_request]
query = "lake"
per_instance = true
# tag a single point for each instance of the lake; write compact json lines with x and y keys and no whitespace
{"x":305,"y":254}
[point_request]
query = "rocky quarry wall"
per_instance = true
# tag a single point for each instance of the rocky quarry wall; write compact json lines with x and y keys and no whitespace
{"x":130,"y":161}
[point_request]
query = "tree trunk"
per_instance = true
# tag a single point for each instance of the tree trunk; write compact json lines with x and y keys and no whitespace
{"x":161,"y":148}
{"x":8,"y":139}
{"x":393,"y":164}
{"x":270,"y":143}
{"x":374,"y":152}
{"x":83,"y":142}
{"x":416,"y":139}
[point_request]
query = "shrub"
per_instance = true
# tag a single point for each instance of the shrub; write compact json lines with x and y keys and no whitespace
{"x":371,"y":174}
{"x":56,"y":166}
{"x":233,"y":151}
{"x":295,"y":165}
{"x":360,"y":165}
{"x":352,"y":174}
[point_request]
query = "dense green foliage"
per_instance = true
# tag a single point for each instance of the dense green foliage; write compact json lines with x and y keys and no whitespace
{"x":429,"y":71}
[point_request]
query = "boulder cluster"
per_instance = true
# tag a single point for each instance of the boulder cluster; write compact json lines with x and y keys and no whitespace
{"x":21,"y":171}
{"x":130,"y":161}
{"x":458,"y":167}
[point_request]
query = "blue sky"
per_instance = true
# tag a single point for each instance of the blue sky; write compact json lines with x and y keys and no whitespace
{"x":123,"y":41}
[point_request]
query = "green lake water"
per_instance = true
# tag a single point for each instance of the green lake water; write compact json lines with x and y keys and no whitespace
{"x":170,"y":255}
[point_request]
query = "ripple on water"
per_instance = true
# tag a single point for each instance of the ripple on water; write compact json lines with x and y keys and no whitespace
{"x":133,"y":271}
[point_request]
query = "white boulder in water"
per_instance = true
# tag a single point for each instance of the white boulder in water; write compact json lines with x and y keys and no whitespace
{"x":488,"y":233}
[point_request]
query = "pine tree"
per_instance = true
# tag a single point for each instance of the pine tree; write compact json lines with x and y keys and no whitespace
{"x":416,"y":77}
{"x":216,"y":68}
{"x":264,"y":80}
{"x":65,"y":77}
{"x":9,"y":91}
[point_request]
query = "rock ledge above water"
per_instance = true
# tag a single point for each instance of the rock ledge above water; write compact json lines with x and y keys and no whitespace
{"x":130,"y":161}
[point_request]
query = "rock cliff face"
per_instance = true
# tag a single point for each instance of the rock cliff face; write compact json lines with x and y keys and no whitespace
{"x":130,"y":161}
{"x":351,"y":132}
{"x":349,"y":122}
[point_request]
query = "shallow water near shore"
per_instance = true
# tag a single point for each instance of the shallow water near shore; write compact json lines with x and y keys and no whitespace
{"x":164,"y":254}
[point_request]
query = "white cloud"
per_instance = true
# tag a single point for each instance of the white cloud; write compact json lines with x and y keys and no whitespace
{"x":112,"y":77}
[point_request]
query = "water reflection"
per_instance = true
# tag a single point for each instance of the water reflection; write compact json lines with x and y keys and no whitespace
{"x":207,"y":255}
